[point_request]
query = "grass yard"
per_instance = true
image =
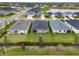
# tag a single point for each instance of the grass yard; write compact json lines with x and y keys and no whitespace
{"x":47,"y":37}
{"x":14,"y":38}
{"x":76,"y":17}
{"x":7,"y":16}
{"x":59,"y":17}
{"x":37,"y":50}
{"x":1,"y":52}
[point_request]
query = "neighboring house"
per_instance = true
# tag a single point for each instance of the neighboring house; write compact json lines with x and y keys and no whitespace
{"x":13,"y":10}
{"x":76,"y":13}
{"x":36,"y":9}
{"x":3,"y":13}
{"x":58,"y":14}
{"x":59,"y":27}
{"x":39,"y":13}
{"x":67,"y":13}
{"x":40,"y":27}
{"x":49,"y":13}
{"x":4,"y":22}
{"x":30,"y":14}
{"x":20,"y":27}
{"x":73,"y":24}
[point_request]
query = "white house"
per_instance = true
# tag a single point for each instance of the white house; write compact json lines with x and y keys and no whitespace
{"x":59,"y":27}
{"x":40,"y":27}
{"x":20,"y":27}
{"x":73,"y":24}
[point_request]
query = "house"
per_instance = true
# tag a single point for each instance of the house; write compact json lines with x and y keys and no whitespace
{"x":58,"y":13}
{"x":36,"y":9}
{"x":73,"y":24}
{"x":3,"y":13}
{"x":13,"y":10}
{"x":4,"y":22}
{"x":30,"y":14}
{"x":49,"y":13}
{"x":59,"y":27}
{"x":40,"y":26}
{"x":20,"y":27}
{"x":67,"y":13}
{"x":76,"y":13}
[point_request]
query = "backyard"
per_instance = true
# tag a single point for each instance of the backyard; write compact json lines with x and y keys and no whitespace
{"x":7,"y":16}
{"x":47,"y":38}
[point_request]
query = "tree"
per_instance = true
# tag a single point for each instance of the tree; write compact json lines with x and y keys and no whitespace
{"x":60,"y":47}
{"x":23,"y":46}
{"x":6,"y":41}
{"x":2,"y":48}
{"x":40,"y":41}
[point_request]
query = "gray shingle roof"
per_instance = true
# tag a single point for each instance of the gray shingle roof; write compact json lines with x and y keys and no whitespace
{"x":77,"y":13}
{"x":49,"y":13}
{"x":21,"y":25}
{"x":58,"y":25}
{"x":58,"y":13}
{"x":67,"y":13}
{"x":39,"y":25}
{"x":3,"y":22}
{"x":74,"y":23}
{"x":10,"y":9}
{"x":36,"y":9}
{"x":4,"y":12}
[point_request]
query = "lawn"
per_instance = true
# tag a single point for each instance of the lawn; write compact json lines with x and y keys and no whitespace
{"x":14,"y":38}
{"x":37,"y":50}
{"x":1,"y":52}
{"x":7,"y":16}
{"x":76,"y":17}
{"x":47,"y":37}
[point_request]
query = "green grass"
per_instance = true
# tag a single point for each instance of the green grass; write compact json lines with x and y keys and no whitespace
{"x":47,"y":37}
{"x":59,"y":17}
{"x":42,"y":51}
{"x":36,"y":16}
{"x":8,"y":15}
{"x":46,"y":8}
{"x":1,"y":52}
